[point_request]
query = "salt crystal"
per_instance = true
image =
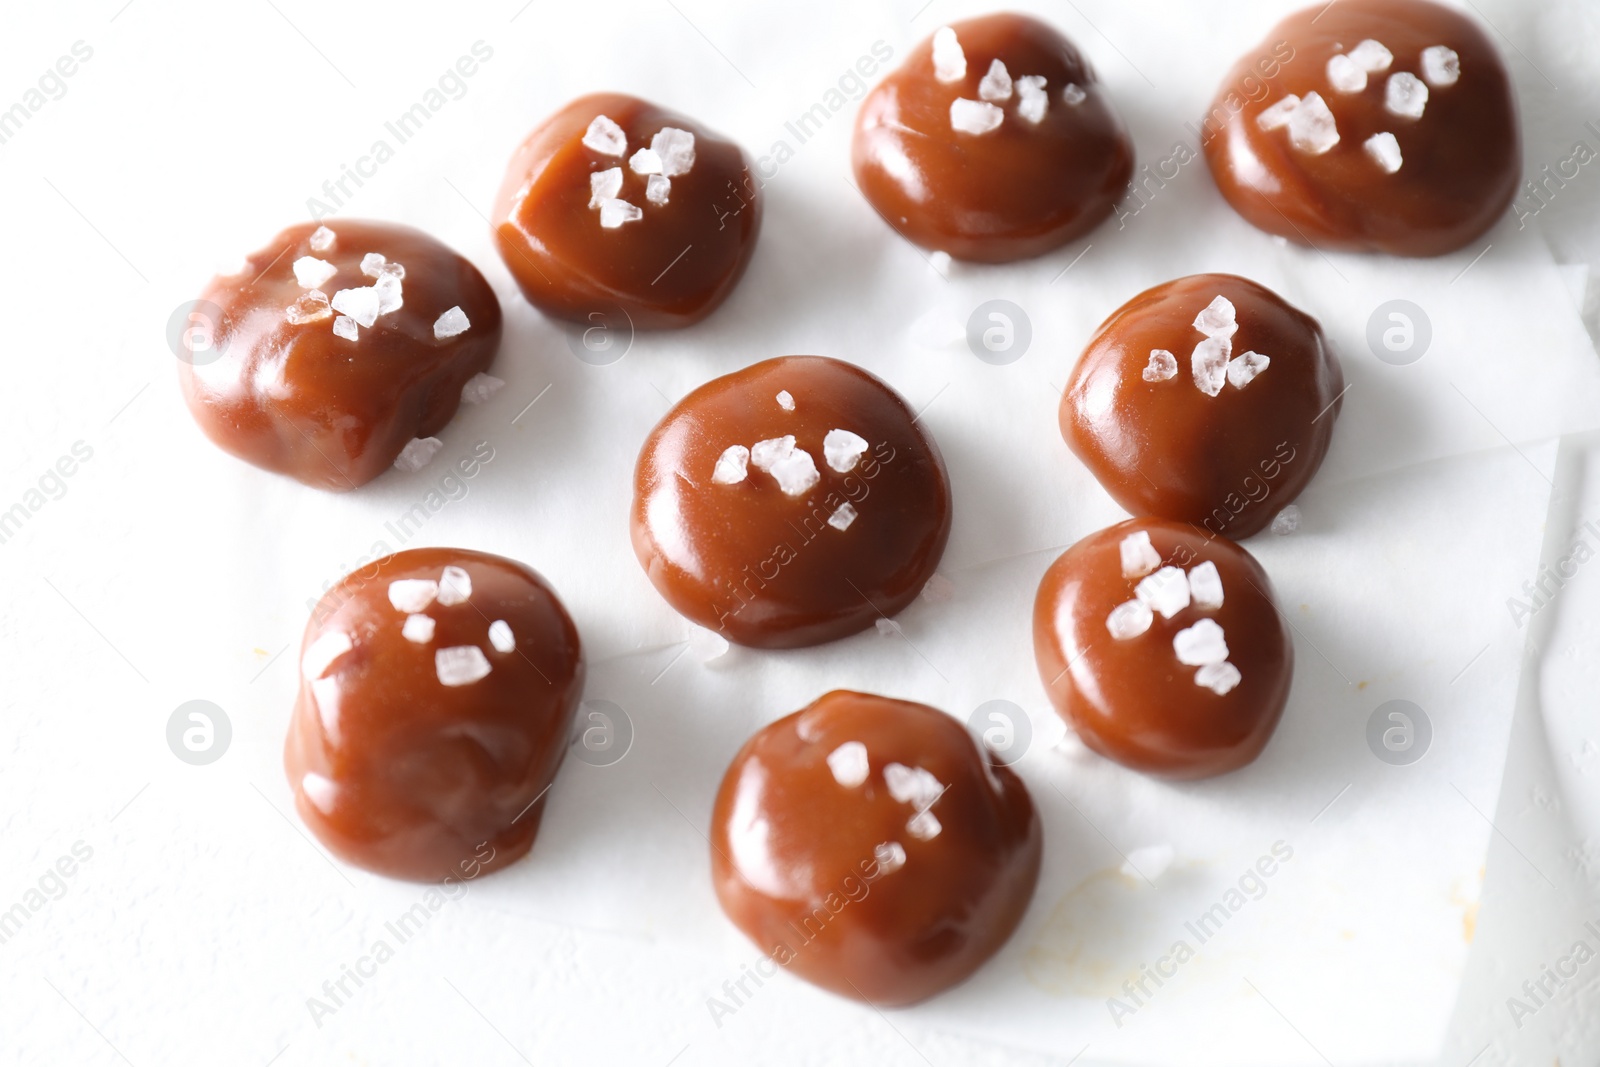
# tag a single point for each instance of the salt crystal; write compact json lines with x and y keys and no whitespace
{"x":996,"y":85}
{"x":604,"y":185}
{"x":374,"y":265}
{"x":389,"y":295}
{"x":614,"y":212}
{"x":360,"y":304}
{"x":842,"y":517}
{"x":311,"y":272}
{"x":1032,"y":102}
{"x":1129,"y":619}
{"x":707,"y":645}
{"x":1150,"y":862}
{"x":1201,"y":644}
{"x":451,"y":323}
{"x":887,"y":627}
{"x":796,"y":472}
{"x":1205,"y":585}
{"x":676,"y":149}
{"x":455,"y":587}
{"x":480,"y":387}
{"x":412,"y":595}
{"x":849,"y":764}
{"x":645,"y":161}
{"x":949,"y":61}
{"x":321,"y":239}
{"x":1405,"y":95}
{"x":1217,"y":319}
{"x":1345,"y":74}
{"x":344,"y":326}
{"x":912,"y":785}
{"x":1163,"y":366}
{"x":418,"y":453}
{"x":1371,"y":56}
{"x":1209,"y":364}
{"x":501,"y":637}
{"x":1311,"y":126}
{"x":1166,"y":591}
{"x":766,"y":453}
{"x":731,"y":466}
{"x":1277,"y":115}
{"x":1220,"y":678}
{"x":939,"y":590}
{"x":939,"y":260}
{"x":974,"y":116}
{"x":1441,"y":67}
{"x":658,"y":189}
{"x":461,"y":665}
{"x":605,"y":137}
{"x":1139,"y":556}
{"x":924,"y":826}
{"x":1242,"y":370}
{"x":312,"y":307}
{"x":418,"y":628}
{"x":1286,"y":521}
{"x":324,"y":653}
{"x":1384,"y":149}
{"x":890,"y":856}
{"x":843,"y":450}
{"x":785,"y":400}
{"x":1073,"y":95}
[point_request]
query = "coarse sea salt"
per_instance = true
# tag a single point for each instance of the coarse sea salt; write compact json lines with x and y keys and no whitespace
{"x":766,"y":453}
{"x":938,"y":590}
{"x":1220,"y":678}
{"x":793,"y":468}
{"x":321,"y":239}
{"x":418,"y":453}
{"x":886,"y":627}
{"x":1286,"y":521}
{"x":1205,"y":586}
{"x":311,"y":272}
{"x":448,"y":325}
{"x":645,"y":161}
{"x":418,"y":629}
{"x":455,"y":586}
{"x":949,"y":61}
{"x":658,"y":189}
{"x":1371,"y":56}
{"x":1139,"y":556}
{"x":1311,"y":126}
{"x":996,"y":84}
{"x":890,"y":857}
{"x":849,"y":764}
{"x":614,"y":212}
{"x":311,"y":307}
{"x":1242,"y":370}
{"x":412,"y":595}
{"x":1345,"y":74}
{"x":842,"y":449}
{"x":1200,"y":644}
{"x":1032,"y":100}
{"x":1276,"y":116}
{"x":785,"y":400}
{"x":460,"y":665}
{"x":605,"y":137}
{"x":1073,"y":94}
{"x":480,"y":387}
{"x":344,"y":326}
{"x":1166,"y":591}
{"x":1405,"y":95}
{"x":675,"y":148}
{"x":390,"y":297}
{"x":912,"y":785}
{"x":1129,"y":619}
{"x":1163,"y":366}
{"x":1209,"y":364}
{"x":324,"y":652}
{"x":974,"y":116}
{"x":604,"y":185}
{"x":501,"y":637}
{"x":1384,"y":149}
{"x":842,"y":516}
{"x":1218,"y":318}
{"x":731,"y":466}
{"x":374,"y":265}
{"x":359,"y":304}
{"x":1441,"y":67}
{"x":924,"y":826}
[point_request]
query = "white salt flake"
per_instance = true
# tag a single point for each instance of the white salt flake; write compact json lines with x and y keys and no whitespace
{"x":1405,"y":95}
{"x":1441,"y":67}
{"x":1345,"y":74}
{"x":1200,"y":644}
{"x":1242,"y":370}
{"x":604,"y":185}
{"x":605,"y":137}
{"x":614,"y":212}
{"x":1276,"y":116}
{"x":455,"y":587}
{"x":675,"y":147}
{"x":418,"y":453}
{"x":374,"y":265}
{"x":1073,"y":94}
{"x":1163,"y":366}
{"x":311,"y":307}
{"x":480,"y":387}
{"x":949,"y":61}
{"x":766,"y":453}
{"x":324,"y":653}
{"x":418,"y":629}
{"x":1032,"y":101}
{"x":1205,"y":585}
{"x":501,"y":637}
{"x":842,"y":517}
{"x":390,"y":297}
{"x":461,"y":665}
{"x":996,"y":85}
{"x":974,"y":116}
{"x":912,"y":785}
{"x":843,"y":450}
{"x":1311,"y":126}
{"x":1384,"y":149}
{"x":1371,"y":56}
{"x":451,"y":323}
{"x":658,"y":189}
{"x":887,"y":627}
{"x":1149,"y":862}
{"x":1209,"y":364}
{"x":796,"y":472}
{"x":849,"y":764}
{"x":890,"y":856}
{"x":311,"y":272}
{"x":360,"y":304}
{"x":645,"y":161}
{"x":1220,"y":678}
{"x":321,"y":239}
{"x":731,"y":466}
{"x":785,"y":400}
{"x":1166,"y":591}
{"x":412,"y":595}
{"x":1129,"y":619}
{"x":344,"y":326}
{"x":1218,"y":318}
{"x":939,"y":590}
{"x":924,"y":826}
{"x":1286,"y":521}
{"x":1139,"y":556}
